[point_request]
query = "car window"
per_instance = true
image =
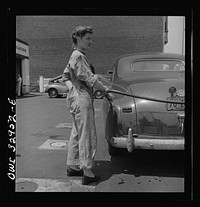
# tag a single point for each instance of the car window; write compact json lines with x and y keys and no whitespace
{"x":60,"y":80}
{"x":157,"y":65}
{"x":57,"y":81}
{"x":126,"y":67}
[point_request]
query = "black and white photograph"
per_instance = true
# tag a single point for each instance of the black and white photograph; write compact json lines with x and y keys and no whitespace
{"x":99,"y":103}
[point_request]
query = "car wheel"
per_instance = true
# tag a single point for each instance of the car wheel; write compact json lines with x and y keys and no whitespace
{"x":53,"y":93}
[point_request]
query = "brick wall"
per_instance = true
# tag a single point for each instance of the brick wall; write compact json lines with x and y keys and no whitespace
{"x":50,"y":44}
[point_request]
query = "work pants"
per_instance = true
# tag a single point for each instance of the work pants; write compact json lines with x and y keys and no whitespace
{"x":18,"y":89}
{"x":83,"y":139}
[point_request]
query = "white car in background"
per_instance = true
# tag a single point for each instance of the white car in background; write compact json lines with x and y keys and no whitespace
{"x":57,"y":88}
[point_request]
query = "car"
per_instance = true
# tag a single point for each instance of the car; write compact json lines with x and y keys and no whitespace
{"x":57,"y":88}
{"x":147,"y":109}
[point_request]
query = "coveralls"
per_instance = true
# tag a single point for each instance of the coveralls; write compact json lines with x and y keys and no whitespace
{"x":19,"y":83}
{"x":83,"y":139}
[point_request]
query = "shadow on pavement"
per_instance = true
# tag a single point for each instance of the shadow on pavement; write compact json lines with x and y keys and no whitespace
{"x":143,"y":163}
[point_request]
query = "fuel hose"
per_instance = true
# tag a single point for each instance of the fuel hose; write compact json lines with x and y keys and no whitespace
{"x":145,"y":98}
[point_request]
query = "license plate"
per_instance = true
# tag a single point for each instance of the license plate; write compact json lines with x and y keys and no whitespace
{"x":174,"y":106}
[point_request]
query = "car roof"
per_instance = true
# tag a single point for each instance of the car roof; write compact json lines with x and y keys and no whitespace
{"x":156,"y":55}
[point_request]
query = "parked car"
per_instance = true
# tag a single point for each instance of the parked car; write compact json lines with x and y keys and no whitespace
{"x":136,"y":123}
{"x":56,"y":87}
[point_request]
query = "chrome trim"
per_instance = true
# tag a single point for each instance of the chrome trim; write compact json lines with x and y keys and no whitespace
{"x":134,"y":142}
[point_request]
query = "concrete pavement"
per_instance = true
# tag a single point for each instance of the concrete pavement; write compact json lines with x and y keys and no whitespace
{"x":43,"y":129}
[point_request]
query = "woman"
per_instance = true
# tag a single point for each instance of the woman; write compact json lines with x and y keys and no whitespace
{"x":80,"y":81}
{"x":19,"y":85}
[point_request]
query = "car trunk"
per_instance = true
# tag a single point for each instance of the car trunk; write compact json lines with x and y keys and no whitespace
{"x":155,"y":118}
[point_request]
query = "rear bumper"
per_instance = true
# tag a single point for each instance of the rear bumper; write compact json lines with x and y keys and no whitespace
{"x":148,"y":142}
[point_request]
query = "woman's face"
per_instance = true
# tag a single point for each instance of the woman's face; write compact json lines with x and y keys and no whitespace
{"x":85,"y":42}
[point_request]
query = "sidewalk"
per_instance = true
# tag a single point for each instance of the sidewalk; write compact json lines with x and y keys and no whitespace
{"x":52,"y":185}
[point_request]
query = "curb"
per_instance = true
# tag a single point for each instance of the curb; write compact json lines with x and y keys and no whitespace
{"x":51,"y":185}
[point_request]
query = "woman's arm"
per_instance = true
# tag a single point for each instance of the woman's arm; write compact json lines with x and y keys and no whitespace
{"x":84,"y":73}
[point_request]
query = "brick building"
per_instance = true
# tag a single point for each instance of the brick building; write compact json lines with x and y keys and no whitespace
{"x":50,"y":44}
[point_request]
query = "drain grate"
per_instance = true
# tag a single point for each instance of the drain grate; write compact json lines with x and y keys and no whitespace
{"x":54,"y":145}
{"x":26,"y":186}
{"x":58,"y":144}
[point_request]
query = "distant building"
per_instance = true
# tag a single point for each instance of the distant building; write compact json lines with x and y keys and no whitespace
{"x":22,"y":64}
{"x":50,"y":43}
{"x":176,"y":35}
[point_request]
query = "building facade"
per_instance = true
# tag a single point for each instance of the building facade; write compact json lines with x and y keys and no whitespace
{"x":22,"y":65}
{"x":50,"y":43}
{"x":176,"y":35}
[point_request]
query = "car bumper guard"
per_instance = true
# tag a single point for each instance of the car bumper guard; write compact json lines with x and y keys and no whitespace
{"x":134,"y":141}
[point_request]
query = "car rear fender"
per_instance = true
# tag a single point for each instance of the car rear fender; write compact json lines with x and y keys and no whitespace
{"x":127,"y":105}
{"x":128,"y":115}
{"x":111,"y":118}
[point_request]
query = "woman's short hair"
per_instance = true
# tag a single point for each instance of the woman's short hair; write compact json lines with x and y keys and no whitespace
{"x":80,"y":31}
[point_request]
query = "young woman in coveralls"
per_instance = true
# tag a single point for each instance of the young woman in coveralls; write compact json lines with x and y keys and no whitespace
{"x":80,"y":80}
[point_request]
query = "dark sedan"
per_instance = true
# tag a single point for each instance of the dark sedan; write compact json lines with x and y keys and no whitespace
{"x":149,"y":112}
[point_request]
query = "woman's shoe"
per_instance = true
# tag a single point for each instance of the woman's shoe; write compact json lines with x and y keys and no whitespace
{"x":87,"y":180}
{"x":71,"y":172}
